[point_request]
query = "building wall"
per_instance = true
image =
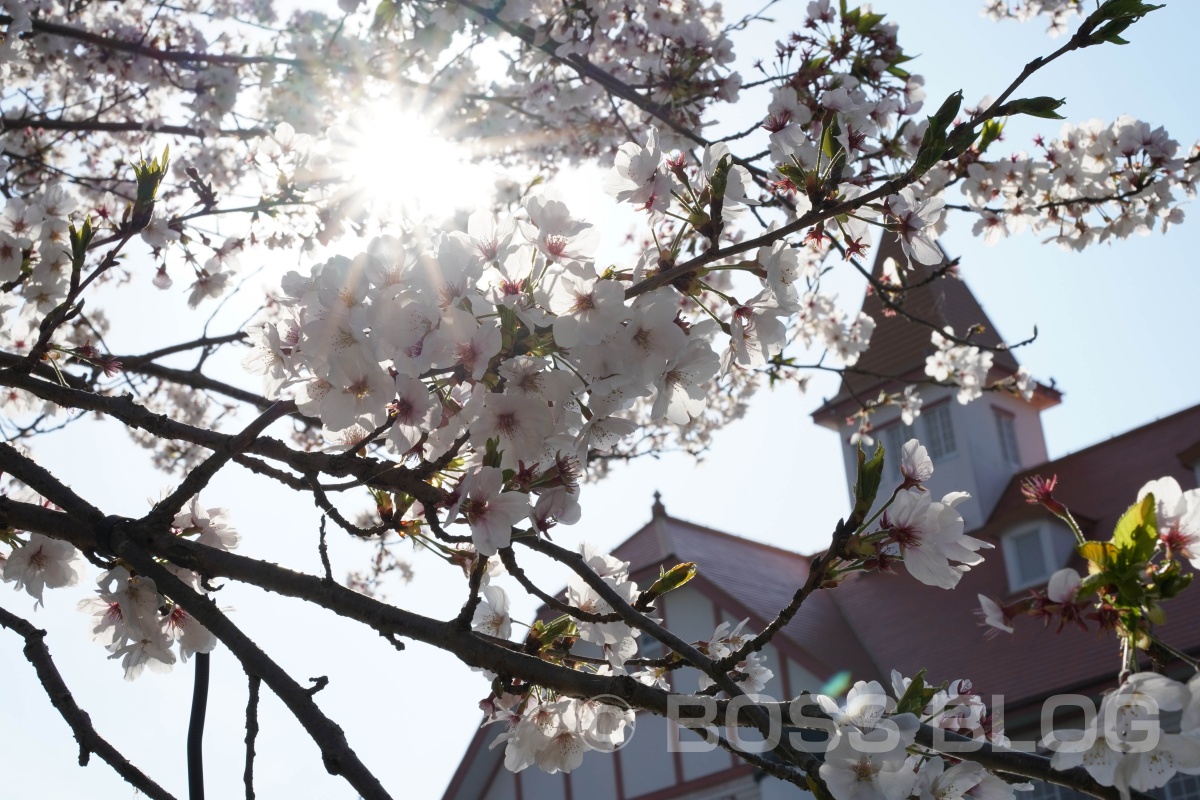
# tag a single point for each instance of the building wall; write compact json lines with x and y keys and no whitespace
{"x":654,"y":764}
{"x":978,"y":466}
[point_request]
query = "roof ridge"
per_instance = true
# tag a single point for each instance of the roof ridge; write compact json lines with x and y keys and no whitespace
{"x":738,"y":538}
{"x":1103,"y":442}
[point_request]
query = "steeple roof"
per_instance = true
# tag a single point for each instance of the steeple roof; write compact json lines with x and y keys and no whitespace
{"x":899,"y":346}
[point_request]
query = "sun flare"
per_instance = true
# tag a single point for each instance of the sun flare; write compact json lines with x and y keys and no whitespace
{"x":398,"y":164}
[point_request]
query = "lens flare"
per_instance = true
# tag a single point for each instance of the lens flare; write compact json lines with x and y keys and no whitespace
{"x":396,"y":164}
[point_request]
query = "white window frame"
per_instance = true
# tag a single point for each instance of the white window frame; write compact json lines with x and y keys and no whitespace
{"x":1007,"y":544}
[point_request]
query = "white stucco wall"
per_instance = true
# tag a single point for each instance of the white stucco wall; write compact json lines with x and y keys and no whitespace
{"x":978,"y":465}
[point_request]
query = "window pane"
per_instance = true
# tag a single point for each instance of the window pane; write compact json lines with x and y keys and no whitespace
{"x":939,"y":432}
{"x":1006,"y":431}
{"x":1029,"y":558}
{"x":893,"y":437}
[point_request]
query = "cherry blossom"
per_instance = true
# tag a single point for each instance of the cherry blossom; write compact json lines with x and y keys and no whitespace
{"x":490,"y":511}
{"x":929,"y":535}
{"x":43,"y":562}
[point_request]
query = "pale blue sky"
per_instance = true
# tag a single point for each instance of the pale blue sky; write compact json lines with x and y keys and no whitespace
{"x":1118,"y":333}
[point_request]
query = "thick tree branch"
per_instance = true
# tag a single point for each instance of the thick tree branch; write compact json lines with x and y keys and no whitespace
{"x":371,"y":472}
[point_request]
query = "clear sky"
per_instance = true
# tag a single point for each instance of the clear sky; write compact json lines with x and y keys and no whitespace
{"x":1117,"y":331}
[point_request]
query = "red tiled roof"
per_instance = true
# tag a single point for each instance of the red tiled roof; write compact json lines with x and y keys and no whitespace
{"x":899,"y":346}
{"x":1101,"y":481}
{"x":758,"y":579}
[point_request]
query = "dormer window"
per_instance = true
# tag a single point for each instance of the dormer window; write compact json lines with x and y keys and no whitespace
{"x":1033,"y":553}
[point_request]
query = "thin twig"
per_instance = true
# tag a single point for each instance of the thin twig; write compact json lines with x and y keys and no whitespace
{"x":323,"y":551}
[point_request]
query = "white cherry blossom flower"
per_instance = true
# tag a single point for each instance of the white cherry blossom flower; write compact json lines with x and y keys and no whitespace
{"x":490,"y":511}
{"x":586,"y":310}
{"x":43,"y":562}
{"x":915,"y":464}
{"x":491,"y":615}
{"x":929,"y":535}
{"x":210,"y":525}
{"x":1178,"y":517}
{"x":916,"y":221}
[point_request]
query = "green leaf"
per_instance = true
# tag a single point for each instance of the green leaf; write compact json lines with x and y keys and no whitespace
{"x":829,"y":142}
{"x":1121,"y":9}
{"x":946,"y":114}
{"x":992,"y":129}
{"x":149,"y":176}
{"x":1136,"y":533}
{"x":1171,"y":585}
{"x":961,"y":139}
{"x":916,"y":696}
{"x":720,"y":176}
{"x":868,"y":21}
{"x":673,"y":578}
{"x":1044,"y":107}
{"x":933,"y":146}
{"x":793,"y":173}
{"x":492,"y":453}
{"x":81,"y":238}
{"x":385,"y":13}
{"x":1117,"y":16}
{"x":866,"y":487}
{"x":1100,"y":554}
{"x":1092,"y":583}
{"x":556,"y":628}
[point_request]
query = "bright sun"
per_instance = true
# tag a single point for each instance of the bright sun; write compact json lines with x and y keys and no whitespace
{"x":397,"y":164}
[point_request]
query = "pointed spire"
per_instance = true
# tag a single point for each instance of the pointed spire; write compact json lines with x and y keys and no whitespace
{"x":899,"y":346}
{"x":658,"y":509}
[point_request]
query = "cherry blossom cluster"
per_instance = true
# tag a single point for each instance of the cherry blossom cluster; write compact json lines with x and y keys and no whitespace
{"x":38,"y":562}
{"x":1131,"y":743}
{"x":540,"y":727}
{"x":872,"y":749}
{"x":34,"y":239}
{"x":1059,"y":12}
{"x":1128,"y":743}
{"x":837,"y":85}
{"x":129,"y":616}
{"x":1096,"y":181}
{"x":965,"y":366}
{"x":507,"y":340}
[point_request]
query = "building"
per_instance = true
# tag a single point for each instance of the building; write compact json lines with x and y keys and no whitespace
{"x":875,"y":623}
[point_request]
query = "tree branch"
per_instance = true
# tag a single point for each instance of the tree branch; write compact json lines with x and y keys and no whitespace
{"x":81,"y":724}
{"x":338,"y":757}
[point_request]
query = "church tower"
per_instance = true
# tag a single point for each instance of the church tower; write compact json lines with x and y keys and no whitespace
{"x":976,"y":447}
